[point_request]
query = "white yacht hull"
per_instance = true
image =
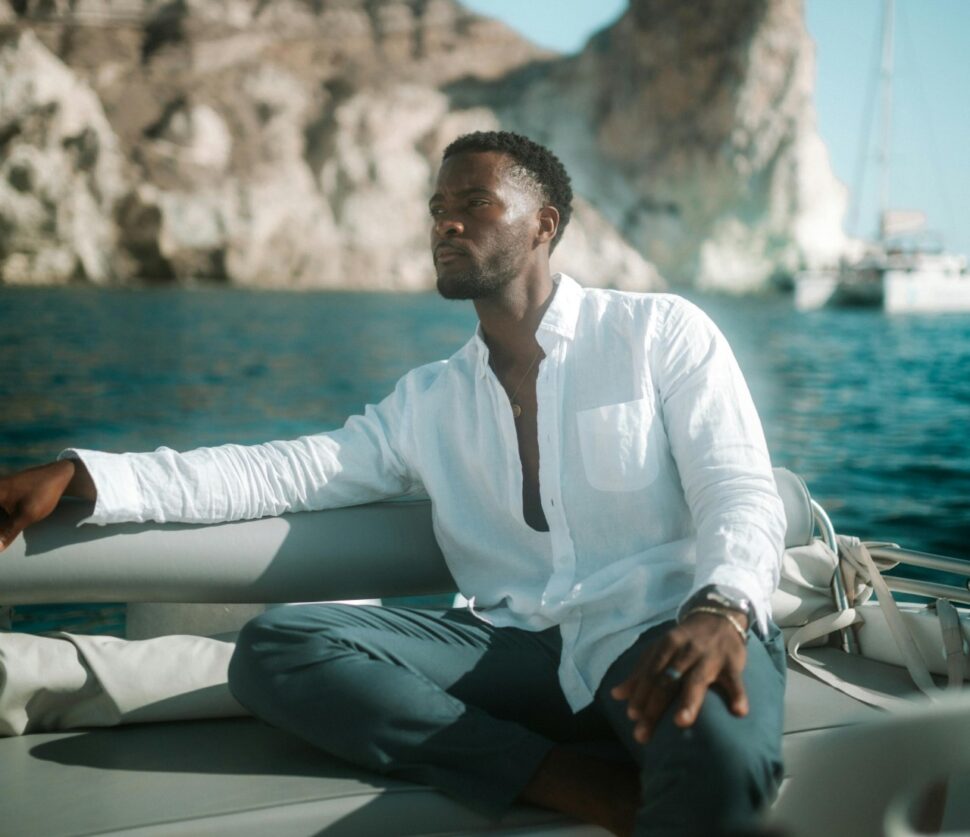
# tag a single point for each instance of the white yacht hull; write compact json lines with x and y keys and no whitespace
{"x":924,"y":288}
{"x":928,"y":292}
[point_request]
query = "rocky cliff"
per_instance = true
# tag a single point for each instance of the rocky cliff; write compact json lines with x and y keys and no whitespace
{"x":692,"y":127}
{"x":292,"y":143}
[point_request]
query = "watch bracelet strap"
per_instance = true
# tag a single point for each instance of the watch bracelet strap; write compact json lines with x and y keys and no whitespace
{"x":723,"y":613}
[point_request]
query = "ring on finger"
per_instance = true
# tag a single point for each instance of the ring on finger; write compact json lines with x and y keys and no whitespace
{"x":671,"y":674}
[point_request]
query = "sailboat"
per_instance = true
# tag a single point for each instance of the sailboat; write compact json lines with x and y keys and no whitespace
{"x":906,"y":268}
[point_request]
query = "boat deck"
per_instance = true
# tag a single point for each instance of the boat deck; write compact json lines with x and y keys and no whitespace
{"x":241,"y":777}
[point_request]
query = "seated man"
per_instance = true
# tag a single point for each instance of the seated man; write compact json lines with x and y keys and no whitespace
{"x":603,"y":496}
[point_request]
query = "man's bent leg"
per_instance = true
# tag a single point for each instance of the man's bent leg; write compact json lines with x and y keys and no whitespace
{"x":715,"y":776}
{"x":421,"y":695}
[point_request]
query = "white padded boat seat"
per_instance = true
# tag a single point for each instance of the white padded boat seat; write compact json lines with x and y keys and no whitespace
{"x":241,"y":777}
{"x":350,"y":553}
{"x":812,"y":707}
{"x":238,"y":778}
{"x":867,"y":780}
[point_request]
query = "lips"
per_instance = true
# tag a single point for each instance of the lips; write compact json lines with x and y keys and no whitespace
{"x":447,"y":252}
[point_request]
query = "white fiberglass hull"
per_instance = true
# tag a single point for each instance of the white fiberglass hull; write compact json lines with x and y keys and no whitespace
{"x":925,"y":291}
{"x":896,"y":291}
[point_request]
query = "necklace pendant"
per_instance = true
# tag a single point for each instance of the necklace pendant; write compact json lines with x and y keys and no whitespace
{"x":516,"y":410}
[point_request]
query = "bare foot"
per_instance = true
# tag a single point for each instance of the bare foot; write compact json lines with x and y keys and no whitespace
{"x":589,"y":788}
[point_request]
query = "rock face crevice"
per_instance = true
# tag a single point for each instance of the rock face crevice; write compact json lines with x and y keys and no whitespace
{"x":293,"y":144}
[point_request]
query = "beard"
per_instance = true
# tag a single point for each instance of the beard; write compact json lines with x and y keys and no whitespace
{"x":478,"y":281}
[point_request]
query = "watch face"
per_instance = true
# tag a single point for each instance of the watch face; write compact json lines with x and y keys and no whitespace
{"x":732,"y":600}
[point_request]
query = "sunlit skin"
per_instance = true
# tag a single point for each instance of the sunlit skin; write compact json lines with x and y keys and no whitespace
{"x":489,"y":223}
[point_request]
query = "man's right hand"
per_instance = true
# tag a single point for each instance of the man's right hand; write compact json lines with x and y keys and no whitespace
{"x":29,"y":496}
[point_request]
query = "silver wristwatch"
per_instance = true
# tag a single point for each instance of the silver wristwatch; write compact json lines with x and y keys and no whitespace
{"x":721,"y":596}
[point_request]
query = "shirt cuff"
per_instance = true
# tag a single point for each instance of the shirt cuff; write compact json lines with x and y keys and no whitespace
{"x":119,"y":500}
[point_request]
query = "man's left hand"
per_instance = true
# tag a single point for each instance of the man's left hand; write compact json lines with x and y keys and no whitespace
{"x":702,"y":651}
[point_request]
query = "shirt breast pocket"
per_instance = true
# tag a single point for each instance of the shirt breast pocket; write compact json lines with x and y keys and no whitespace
{"x":620,"y":445}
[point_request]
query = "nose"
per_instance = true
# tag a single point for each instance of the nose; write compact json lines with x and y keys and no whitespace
{"x":448,"y":227}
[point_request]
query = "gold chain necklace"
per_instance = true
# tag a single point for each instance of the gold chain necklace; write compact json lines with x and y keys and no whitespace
{"x":516,"y":407}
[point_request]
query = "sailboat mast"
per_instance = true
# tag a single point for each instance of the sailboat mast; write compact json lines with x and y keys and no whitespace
{"x":886,"y":108}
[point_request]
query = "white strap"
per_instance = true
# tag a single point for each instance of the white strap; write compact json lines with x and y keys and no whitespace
{"x":954,"y":644}
{"x":856,"y":556}
{"x":824,"y":626}
{"x":855,"y":551}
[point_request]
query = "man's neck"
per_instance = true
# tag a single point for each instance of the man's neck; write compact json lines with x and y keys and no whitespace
{"x":509,"y":321}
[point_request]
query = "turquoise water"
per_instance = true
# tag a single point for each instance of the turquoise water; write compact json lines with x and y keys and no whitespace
{"x":872,"y":410}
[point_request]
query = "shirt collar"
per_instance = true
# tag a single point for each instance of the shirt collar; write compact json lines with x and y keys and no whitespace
{"x":560,"y":318}
{"x":563,"y":312}
{"x":481,"y":348}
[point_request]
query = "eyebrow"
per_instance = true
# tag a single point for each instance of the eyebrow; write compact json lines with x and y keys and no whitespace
{"x":437,"y":196}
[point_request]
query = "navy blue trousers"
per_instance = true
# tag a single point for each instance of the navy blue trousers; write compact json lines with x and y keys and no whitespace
{"x":444,"y":699}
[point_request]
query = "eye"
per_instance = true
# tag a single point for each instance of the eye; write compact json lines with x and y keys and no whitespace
{"x":478,"y":202}
{"x":435,"y":211}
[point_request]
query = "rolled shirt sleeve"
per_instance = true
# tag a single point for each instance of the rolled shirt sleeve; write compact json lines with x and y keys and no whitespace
{"x":363,"y":461}
{"x":718,"y":444}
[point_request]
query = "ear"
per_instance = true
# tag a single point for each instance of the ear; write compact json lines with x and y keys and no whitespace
{"x":548,"y":224}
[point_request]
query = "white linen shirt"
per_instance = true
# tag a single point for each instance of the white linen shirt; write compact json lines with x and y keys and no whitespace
{"x":654,"y":475}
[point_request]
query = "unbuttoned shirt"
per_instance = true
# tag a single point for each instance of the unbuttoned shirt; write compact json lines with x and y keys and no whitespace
{"x":653,"y":471}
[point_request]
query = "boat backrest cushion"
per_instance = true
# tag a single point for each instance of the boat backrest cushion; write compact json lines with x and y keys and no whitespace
{"x":377,"y":550}
{"x":798,"y":507}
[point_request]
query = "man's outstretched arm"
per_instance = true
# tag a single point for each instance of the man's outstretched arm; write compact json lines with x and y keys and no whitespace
{"x":363,"y":461}
{"x":29,"y":496}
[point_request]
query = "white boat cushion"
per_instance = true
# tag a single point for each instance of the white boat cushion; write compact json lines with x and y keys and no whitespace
{"x":59,"y":680}
{"x":380,"y":549}
{"x":67,"y":681}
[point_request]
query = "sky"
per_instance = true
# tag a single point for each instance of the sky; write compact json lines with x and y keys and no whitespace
{"x":930,"y":139}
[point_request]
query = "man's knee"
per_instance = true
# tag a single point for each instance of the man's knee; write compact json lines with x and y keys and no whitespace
{"x":735,"y":759}
{"x":268,"y":645}
{"x":713,"y":776}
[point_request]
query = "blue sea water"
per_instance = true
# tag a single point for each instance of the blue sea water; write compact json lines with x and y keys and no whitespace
{"x":872,"y":410}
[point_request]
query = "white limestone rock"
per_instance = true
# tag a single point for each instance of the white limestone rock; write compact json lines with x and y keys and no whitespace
{"x":293,"y":144}
{"x":691,"y":127}
{"x":61,"y":171}
{"x":281,"y":145}
{"x":592,"y":252}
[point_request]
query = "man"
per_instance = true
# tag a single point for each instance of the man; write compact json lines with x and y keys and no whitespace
{"x":603,"y":496}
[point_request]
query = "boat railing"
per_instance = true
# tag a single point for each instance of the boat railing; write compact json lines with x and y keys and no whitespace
{"x":826,"y":529}
{"x":899,"y":555}
{"x":922,"y":588}
{"x":925,"y":560}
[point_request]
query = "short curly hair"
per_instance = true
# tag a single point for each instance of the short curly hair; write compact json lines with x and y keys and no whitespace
{"x":536,"y":161}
